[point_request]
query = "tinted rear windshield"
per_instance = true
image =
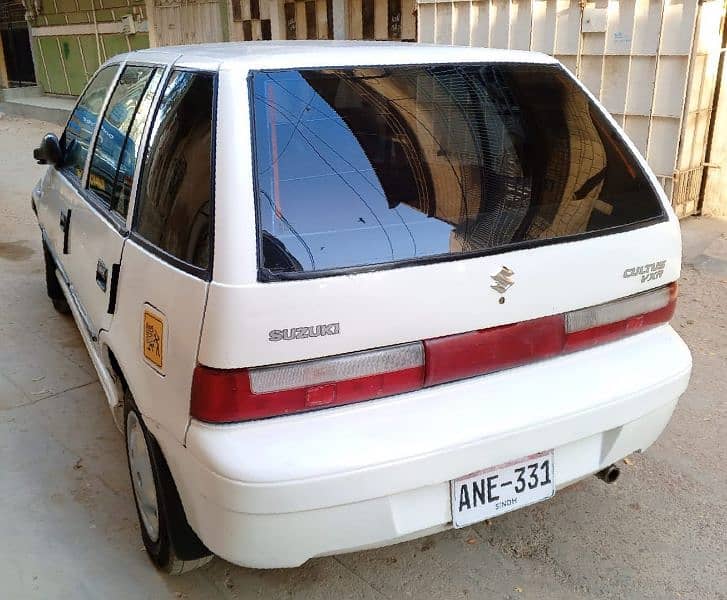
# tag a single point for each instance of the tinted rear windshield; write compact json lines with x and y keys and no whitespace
{"x":371,"y":166}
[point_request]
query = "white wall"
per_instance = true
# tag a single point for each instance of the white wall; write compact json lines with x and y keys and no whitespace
{"x":634,"y":55}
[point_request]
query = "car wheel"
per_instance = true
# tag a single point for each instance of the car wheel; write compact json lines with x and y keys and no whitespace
{"x":61,"y":305}
{"x":170,"y":542}
{"x":53,"y":288}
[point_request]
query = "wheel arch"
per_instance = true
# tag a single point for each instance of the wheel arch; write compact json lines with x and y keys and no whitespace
{"x":120,"y":381}
{"x":164,"y":442}
{"x":116,"y":368}
{"x":188,"y":547}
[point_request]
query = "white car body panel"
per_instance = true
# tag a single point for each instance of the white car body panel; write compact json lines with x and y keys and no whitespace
{"x":108,"y":381}
{"x":549,"y":279}
{"x":163,"y":394}
{"x":92,"y":239}
{"x":276,"y":492}
{"x":179,"y":298}
{"x":53,"y":193}
{"x":352,"y":442}
{"x":593,"y":274}
{"x":380,"y":469}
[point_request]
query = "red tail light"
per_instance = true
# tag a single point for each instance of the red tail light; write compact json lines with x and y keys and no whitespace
{"x":478,"y":352}
{"x":236,"y":395}
{"x":613,"y":320}
{"x":224,"y":396}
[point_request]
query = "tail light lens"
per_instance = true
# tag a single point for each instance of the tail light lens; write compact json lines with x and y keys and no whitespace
{"x":224,"y":396}
{"x":237,"y":395}
{"x":478,"y":352}
{"x":606,"y":322}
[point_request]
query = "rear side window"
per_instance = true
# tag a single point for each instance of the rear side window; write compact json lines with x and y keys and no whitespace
{"x":114,"y":157}
{"x":176,"y":187}
{"x":368,"y":166}
{"x":79,"y":131}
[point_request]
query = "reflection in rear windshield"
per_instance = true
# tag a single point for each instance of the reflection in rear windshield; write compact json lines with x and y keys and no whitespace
{"x":367,"y":166}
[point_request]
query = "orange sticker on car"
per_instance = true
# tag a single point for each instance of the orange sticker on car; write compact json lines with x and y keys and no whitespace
{"x":153,"y":341}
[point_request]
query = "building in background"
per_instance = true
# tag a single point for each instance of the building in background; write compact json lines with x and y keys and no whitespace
{"x":70,"y":38}
{"x":323,"y":19}
{"x":654,"y":64}
{"x":66,"y":40}
{"x":16,"y":57}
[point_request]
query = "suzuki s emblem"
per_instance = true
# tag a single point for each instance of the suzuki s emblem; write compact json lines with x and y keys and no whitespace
{"x":503,"y":280}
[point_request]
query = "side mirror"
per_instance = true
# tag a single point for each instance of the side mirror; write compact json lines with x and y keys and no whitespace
{"x":49,"y":151}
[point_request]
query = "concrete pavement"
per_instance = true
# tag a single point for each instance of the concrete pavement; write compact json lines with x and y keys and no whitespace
{"x":32,"y":103}
{"x":68,"y":527}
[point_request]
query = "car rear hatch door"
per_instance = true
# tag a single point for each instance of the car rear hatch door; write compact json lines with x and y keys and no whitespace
{"x":401,"y":204}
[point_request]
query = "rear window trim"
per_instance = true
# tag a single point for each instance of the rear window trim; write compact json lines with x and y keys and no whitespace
{"x":265,"y":275}
{"x":203,"y":273}
{"x":91,"y":195}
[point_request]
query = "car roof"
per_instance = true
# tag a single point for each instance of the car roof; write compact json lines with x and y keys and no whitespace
{"x":301,"y":54}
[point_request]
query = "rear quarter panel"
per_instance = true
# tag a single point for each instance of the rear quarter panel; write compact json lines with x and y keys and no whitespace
{"x":162,"y":393}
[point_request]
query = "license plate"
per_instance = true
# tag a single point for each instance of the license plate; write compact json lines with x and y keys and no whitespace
{"x":495,"y":491}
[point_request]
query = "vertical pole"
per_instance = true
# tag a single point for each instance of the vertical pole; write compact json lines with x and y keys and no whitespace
{"x":98,"y":37}
{"x":579,"y":51}
{"x":4,"y":82}
{"x":340,"y":18}
{"x":37,"y":55}
{"x":151,"y":21}
{"x":224,"y":10}
{"x":712,"y":118}
{"x":277,"y":20}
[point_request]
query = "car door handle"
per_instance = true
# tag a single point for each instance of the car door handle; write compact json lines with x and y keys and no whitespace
{"x":65,"y":223}
{"x":113,"y":290}
{"x":102,"y":274}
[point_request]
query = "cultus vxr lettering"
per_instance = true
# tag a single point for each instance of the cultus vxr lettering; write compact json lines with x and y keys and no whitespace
{"x":647,"y":272}
{"x":299,"y":333}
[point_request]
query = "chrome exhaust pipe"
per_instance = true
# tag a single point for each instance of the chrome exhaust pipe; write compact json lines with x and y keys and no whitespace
{"x":610,"y":474}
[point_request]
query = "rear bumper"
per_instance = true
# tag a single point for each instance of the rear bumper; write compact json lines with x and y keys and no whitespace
{"x":275,"y":493}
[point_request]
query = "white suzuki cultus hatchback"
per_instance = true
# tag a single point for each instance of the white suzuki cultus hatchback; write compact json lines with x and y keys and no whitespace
{"x":344,"y":294}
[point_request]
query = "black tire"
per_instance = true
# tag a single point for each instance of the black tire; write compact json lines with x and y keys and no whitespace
{"x":61,"y":305}
{"x":53,"y":288}
{"x":175,"y":549}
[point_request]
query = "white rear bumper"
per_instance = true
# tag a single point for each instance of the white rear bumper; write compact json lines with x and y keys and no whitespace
{"x":277,"y":492}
